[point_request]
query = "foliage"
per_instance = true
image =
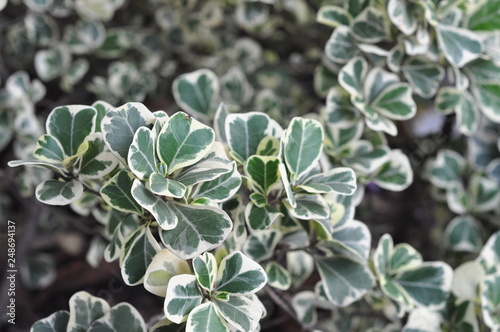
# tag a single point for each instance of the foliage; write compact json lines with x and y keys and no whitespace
{"x":252,"y":184}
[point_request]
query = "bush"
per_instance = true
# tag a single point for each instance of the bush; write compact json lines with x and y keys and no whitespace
{"x":279,"y":136}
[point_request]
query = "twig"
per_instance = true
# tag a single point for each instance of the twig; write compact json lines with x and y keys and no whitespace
{"x":279,"y":299}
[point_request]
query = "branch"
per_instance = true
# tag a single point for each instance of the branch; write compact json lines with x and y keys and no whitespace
{"x":281,"y":301}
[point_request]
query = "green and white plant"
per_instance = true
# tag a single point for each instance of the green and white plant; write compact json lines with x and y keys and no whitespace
{"x":237,"y":192}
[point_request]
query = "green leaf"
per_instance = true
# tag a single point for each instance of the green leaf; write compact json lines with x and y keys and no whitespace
{"x":36,"y":163}
{"x":447,"y":99}
{"x":447,"y":169}
{"x":382,"y":124}
{"x":300,"y":265}
{"x":161,"y":210}
{"x":395,"y":57}
{"x":489,"y":256}
{"x":121,"y":317}
{"x":259,"y":218}
{"x":424,"y":77}
{"x":213,"y":165}
{"x":220,"y":123}
{"x":490,"y":301}
{"x":485,"y":17}
{"x":141,"y":155}
{"x":183,"y":295}
{"x":376,"y":81}
{"x":403,"y":258}
{"x":236,"y":89}
{"x":345,"y":281}
{"x":54,"y":192}
{"x":183,"y":141}
{"x":222,"y":188}
{"x":205,"y":268}
{"x":341,"y":47}
{"x":395,"y":102}
{"x":139,"y":248}
{"x":163,"y":186}
{"x":467,"y":115}
{"x":38,"y":271}
{"x":382,"y":255}
{"x":355,"y":236}
{"x":366,"y":158}
{"x":459,"y":45}
{"x":302,"y":146}
{"x":196,"y":92}
{"x":241,"y":312}
{"x":277,"y":276}
{"x":263,"y":171}
{"x":199,"y":229}
{"x":341,"y":180}
{"x":70,"y":125}
{"x":333,"y":16}
{"x":485,"y":193}
{"x":260,"y":245}
{"x":488,"y":96}
{"x":245,"y":131}
{"x":57,"y":322}
{"x":309,"y":207}
{"x":462,"y":234}
{"x":401,"y":15}
{"x":304,"y":305}
{"x":52,"y":62}
{"x":117,"y":193}
{"x":428,"y":285}
{"x":84,"y":310}
{"x":352,"y":76}
{"x":205,"y":318}
{"x":370,"y":26}
{"x":286,"y":185}
{"x":238,"y":274}
{"x":97,"y":161}
{"x":162,"y":268}
{"x":49,"y":149}
{"x":119,"y":126}
{"x":396,"y":174}
{"x":482,"y":71}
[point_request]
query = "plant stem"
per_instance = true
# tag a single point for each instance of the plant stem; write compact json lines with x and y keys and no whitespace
{"x":280,"y":299}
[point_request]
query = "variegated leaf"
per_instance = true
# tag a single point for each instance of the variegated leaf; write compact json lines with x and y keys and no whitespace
{"x":183,"y":295}
{"x":199,"y":229}
{"x":205,"y":269}
{"x":205,"y":318}
{"x":302,"y":146}
{"x":54,"y":192}
{"x":84,"y":310}
{"x":260,"y":245}
{"x":238,"y":274}
{"x":120,"y":124}
{"x":244,"y":133}
{"x":70,"y":125}
{"x":345,"y":281}
{"x":162,"y":268}
{"x":138,"y":251}
{"x":183,"y":141}
{"x":116,"y":192}
{"x":241,"y":312}
{"x":196,"y":92}
{"x":161,"y":210}
{"x":277,"y":276}
{"x":142,"y":154}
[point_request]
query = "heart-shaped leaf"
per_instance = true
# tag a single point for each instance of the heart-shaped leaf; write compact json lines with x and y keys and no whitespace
{"x":54,"y":192}
{"x":183,"y":141}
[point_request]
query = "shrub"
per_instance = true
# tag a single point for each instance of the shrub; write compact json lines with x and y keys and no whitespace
{"x":253,"y":189}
